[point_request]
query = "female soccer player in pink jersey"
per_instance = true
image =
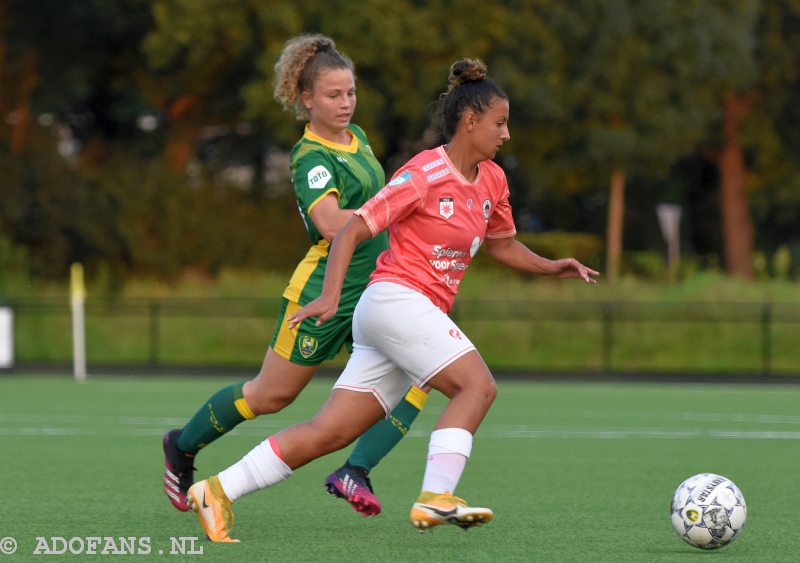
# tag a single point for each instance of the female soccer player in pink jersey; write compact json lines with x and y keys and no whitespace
{"x":439,"y":209}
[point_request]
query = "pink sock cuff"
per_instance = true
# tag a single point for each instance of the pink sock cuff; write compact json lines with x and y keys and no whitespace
{"x":274,"y":443}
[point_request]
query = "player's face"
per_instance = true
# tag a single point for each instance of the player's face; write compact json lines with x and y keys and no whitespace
{"x":491,"y":128}
{"x":333,"y":100}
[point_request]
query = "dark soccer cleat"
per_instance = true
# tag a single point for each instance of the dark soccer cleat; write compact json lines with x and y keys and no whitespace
{"x":353,"y":485}
{"x":179,"y":472}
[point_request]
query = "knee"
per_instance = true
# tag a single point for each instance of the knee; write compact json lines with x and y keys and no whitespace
{"x":483,"y":389}
{"x":268,"y":404}
{"x":489,"y":392}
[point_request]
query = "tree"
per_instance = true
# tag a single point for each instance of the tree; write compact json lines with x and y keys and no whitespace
{"x":631,"y":89}
{"x":755,"y":107}
{"x":65,"y":71}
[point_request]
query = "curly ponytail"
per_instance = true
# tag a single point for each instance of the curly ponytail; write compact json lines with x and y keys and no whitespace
{"x":300,"y":63}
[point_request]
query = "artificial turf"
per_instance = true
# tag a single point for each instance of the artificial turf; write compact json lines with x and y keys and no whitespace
{"x":573,"y":471}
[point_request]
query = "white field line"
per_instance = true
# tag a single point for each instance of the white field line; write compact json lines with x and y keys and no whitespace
{"x":650,"y":433}
{"x":87,"y":425}
{"x":125,"y":420}
{"x":270,"y":422}
{"x":628,"y":415}
{"x":47,"y":431}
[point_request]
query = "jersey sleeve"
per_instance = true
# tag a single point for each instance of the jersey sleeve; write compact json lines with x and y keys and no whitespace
{"x":501,"y":222}
{"x":313,"y":177}
{"x":396,"y":201}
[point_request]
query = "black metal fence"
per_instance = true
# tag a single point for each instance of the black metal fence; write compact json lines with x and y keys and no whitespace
{"x":520,"y":335}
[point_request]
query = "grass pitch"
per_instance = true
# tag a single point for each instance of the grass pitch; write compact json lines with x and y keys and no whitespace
{"x":574,"y":472}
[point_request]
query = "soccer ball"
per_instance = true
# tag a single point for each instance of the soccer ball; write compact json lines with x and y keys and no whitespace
{"x":708,"y":511}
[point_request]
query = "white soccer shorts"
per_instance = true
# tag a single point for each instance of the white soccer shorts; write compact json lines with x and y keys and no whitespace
{"x":399,"y":338}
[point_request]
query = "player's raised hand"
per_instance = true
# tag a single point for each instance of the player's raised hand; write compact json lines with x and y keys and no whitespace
{"x":571,"y":268}
{"x":323,"y":307}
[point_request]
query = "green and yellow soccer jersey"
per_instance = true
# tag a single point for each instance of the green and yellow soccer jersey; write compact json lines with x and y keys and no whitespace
{"x":352,"y":172}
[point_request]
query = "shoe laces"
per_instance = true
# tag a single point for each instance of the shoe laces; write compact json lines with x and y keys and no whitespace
{"x":186,"y":470}
{"x":184,"y":466}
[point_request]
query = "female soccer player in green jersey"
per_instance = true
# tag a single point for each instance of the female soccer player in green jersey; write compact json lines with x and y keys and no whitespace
{"x":334,"y":173}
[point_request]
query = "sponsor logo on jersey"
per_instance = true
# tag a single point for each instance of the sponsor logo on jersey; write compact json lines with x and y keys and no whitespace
{"x":318,"y":177}
{"x":431,"y":165}
{"x":439,"y":174}
{"x":448,"y":259}
{"x":440,"y":252}
{"x":455,"y":334}
{"x":402,"y":178}
{"x":469,"y":204}
{"x":487,"y":209}
{"x":342,"y":160}
{"x":307,"y":345}
{"x":446,"y":207}
{"x":473,"y":249}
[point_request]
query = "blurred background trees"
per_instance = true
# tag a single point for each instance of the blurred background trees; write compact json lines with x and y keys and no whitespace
{"x":141,"y":138}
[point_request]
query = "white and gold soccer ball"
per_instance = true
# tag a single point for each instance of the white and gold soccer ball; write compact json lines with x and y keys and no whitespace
{"x":708,"y":511}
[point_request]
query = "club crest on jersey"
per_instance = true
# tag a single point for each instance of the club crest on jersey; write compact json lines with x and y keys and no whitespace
{"x":446,"y":207}
{"x":487,"y":209}
{"x":318,"y":177}
{"x":307,"y":346}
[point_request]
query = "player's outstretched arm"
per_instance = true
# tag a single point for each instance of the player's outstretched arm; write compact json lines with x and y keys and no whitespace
{"x":344,"y":244}
{"x":512,"y":253}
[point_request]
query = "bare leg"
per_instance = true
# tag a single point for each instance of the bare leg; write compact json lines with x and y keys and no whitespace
{"x":277,"y":385}
{"x":469,"y":385}
{"x":343,"y":418}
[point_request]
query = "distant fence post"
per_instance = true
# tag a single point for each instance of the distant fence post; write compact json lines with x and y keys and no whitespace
{"x":608,"y":319}
{"x":78,"y":298}
{"x":6,"y":337}
{"x":766,"y":338}
{"x":154,"y":332}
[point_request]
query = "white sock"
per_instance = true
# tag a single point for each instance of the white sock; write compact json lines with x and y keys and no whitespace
{"x":448,"y":453}
{"x":262,"y":467}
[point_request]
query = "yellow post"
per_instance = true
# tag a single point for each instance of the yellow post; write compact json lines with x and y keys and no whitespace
{"x":78,"y":294}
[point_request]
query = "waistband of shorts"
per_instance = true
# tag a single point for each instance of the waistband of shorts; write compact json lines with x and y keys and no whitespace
{"x":445,"y":307}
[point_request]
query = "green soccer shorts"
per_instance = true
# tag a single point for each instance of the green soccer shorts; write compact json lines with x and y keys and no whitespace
{"x":308,"y":344}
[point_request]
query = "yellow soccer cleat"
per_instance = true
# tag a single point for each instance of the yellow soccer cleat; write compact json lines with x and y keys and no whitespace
{"x":432,"y":509}
{"x":209,"y":502}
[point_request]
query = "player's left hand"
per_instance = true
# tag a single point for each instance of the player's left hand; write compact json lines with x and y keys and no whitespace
{"x":571,"y":268}
{"x":323,"y":307}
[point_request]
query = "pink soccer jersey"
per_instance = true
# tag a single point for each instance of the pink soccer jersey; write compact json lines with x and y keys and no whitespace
{"x":437,"y":221}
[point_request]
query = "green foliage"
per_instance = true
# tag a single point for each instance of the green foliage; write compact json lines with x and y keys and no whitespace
{"x":13,"y":266}
{"x":170,"y":225}
{"x":594,"y":86}
{"x":52,"y":209}
{"x":782,"y":262}
{"x":553,"y":245}
{"x":645,"y":265}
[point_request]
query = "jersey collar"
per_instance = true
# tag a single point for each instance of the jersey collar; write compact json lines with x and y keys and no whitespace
{"x":454,"y":170}
{"x":352,"y":147}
